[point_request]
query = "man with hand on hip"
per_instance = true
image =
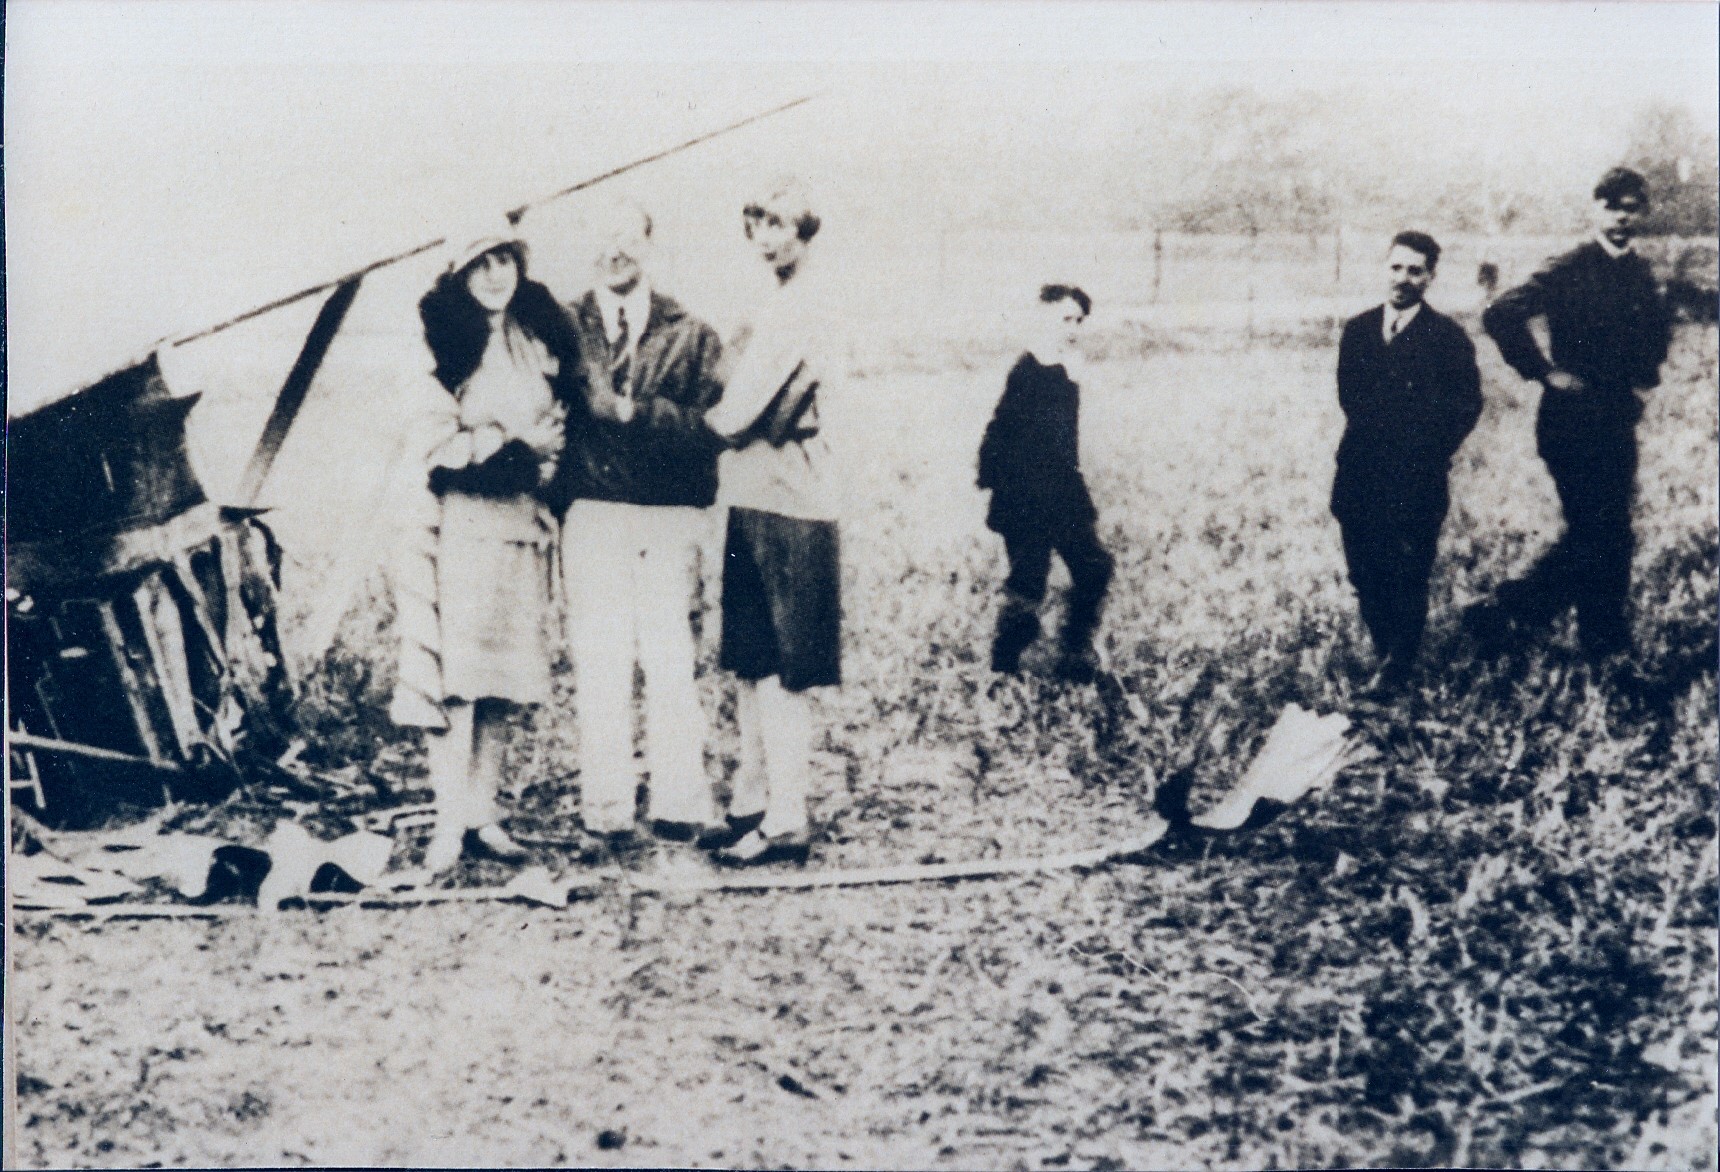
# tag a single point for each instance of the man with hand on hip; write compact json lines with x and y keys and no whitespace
{"x":1608,"y":332}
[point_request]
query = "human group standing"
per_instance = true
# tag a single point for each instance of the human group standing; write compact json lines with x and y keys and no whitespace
{"x":591,"y":434}
{"x":1410,"y":391}
{"x":618,"y":434}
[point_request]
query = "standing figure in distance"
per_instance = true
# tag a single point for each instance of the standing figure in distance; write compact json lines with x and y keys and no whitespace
{"x":641,"y":476}
{"x":782,"y":572}
{"x":1411,"y":394}
{"x":1030,"y":460}
{"x":472,"y":588}
{"x":1608,"y":331}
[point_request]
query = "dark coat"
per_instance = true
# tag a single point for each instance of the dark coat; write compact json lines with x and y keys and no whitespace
{"x":1606,"y":321}
{"x":1409,"y":406}
{"x":456,"y":330}
{"x":1030,"y":457}
{"x":664,"y":455}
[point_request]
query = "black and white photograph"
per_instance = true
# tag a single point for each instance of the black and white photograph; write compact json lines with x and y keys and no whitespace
{"x":862,"y":584}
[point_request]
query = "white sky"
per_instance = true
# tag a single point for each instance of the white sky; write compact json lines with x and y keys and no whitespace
{"x":171,"y":164}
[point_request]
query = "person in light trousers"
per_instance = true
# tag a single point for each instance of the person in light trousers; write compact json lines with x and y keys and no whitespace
{"x":638,"y":479}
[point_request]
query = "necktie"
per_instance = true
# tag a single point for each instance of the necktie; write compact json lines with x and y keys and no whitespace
{"x":619,"y":362}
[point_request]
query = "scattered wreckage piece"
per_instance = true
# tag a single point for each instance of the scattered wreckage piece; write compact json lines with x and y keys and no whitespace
{"x":1087,"y":860}
{"x":1303,"y":751}
{"x":41,"y":882}
{"x":301,"y":864}
{"x":144,"y":657}
{"x":298,"y":858}
{"x":73,"y":870}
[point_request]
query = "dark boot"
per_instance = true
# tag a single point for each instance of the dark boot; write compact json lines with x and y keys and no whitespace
{"x":1078,"y":665}
{"x":1017,"y":628}
{"x":1079,"y":662}
{"x":1604,"y":638}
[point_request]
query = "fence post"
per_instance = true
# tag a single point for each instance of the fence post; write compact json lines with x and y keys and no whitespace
{"x":1158,"y":261}
{"x":1253,"y":257}
{"x":1337,"y":258}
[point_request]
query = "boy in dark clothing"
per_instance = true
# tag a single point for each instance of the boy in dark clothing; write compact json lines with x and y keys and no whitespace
{"x":1030,"y":460}
{"x":1411,"y":394}
{"x":1608,"y":332}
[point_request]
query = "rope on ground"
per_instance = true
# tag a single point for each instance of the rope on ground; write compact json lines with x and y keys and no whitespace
{"x":537,"y":886}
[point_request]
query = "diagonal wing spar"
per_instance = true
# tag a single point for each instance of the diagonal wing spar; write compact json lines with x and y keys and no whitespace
{"x":294,"y":390}
{"x":347,"y":571}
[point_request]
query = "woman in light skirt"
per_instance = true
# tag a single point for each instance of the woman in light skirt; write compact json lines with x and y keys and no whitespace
{"x":473,"y":587}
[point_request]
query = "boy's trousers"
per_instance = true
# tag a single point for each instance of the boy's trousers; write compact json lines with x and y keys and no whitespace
{"x":1089,"y":564}
{"x":632,"y":573}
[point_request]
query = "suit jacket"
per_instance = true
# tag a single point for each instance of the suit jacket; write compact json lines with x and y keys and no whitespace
{"x":1030,"y":457}
{"x":663,"y":455}
{"x":1606,"y":321}
{"x":1408,"y":407}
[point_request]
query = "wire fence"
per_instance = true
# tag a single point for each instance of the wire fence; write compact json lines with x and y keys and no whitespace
{"x":977,"y":283}
{"x":1160,"y":267}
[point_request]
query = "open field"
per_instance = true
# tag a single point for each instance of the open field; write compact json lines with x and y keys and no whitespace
{"x":1494,"y":945}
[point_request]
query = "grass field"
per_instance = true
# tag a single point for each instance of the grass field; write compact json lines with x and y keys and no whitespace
{"x":1494,"y":945}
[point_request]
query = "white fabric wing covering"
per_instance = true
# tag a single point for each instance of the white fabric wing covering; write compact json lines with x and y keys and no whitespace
{"x":1303,"y":751}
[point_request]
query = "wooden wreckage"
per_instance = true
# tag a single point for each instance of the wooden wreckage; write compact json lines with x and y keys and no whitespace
{"x":143,"y":658}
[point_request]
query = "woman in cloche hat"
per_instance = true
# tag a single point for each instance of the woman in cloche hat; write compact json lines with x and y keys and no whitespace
{"x":473,"y":590}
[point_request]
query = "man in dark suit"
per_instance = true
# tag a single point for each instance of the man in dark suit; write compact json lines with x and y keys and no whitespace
{"x":1411,"y":393}
{"x":1608,"y":332}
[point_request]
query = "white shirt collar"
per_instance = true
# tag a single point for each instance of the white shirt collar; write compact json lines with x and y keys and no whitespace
{"x":1612,"y":249}
{"x":1073,"y":364}
{"x":638,"y":306}
{"x":1398,"y":318}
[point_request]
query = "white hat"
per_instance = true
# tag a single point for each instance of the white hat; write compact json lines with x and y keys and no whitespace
{"x":493,"y":235}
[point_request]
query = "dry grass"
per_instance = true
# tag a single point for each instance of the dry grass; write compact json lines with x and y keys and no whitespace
{"x":1492,"y":946}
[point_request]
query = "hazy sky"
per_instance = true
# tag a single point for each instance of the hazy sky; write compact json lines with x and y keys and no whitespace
{"x":171,"y":164}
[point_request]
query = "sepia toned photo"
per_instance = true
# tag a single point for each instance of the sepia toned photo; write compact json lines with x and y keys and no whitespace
{"x":862,"y":585}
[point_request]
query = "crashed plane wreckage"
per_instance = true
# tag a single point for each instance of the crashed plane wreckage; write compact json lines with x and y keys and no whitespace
{"x":145,"y":663}
{"x":143,"y":659}
{"x":143,"y":656}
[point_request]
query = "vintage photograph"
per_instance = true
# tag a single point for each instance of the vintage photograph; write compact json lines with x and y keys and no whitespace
{"x":862,"y":585}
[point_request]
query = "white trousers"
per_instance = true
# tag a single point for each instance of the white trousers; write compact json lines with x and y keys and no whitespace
{"x":776,"y":756}
{"x":631,"y":573}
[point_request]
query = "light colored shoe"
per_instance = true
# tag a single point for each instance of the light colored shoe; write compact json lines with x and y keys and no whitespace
{"x":755,"y":850}
{"x":495,"y":840}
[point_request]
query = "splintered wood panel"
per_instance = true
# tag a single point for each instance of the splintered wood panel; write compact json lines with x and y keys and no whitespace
{"x":82,"y":688}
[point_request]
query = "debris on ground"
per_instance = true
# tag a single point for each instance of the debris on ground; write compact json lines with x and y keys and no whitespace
{"x":1303,"y":751}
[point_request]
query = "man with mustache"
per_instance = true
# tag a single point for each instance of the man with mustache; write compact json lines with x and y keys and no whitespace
{"x":1411,"y":394}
